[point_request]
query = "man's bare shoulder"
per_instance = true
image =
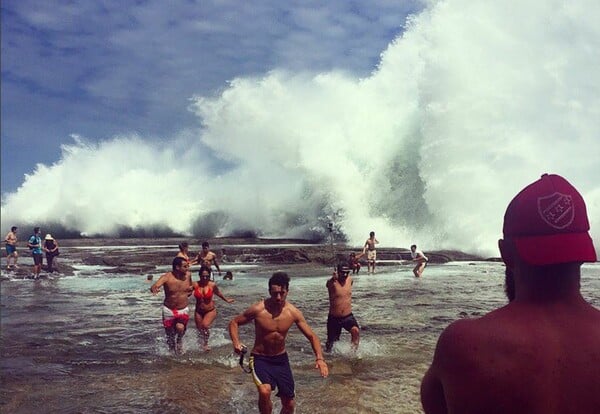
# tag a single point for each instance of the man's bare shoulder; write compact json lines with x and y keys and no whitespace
{"x":256,"y":308}
{"x":462,"y":337}
{"x":293,"y":311}
{"x":167,"y":275}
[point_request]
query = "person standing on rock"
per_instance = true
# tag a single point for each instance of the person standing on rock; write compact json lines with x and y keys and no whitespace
{"x":207,"y":258}
{"x":184,"y":251}
{"x":420,"y":259}
{"x":35,"y":245}
{"x":11,"y":248}
{"x":50,"y":246}
{"x":369,"y":249}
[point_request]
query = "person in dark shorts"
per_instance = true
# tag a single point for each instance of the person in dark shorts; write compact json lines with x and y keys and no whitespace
{"x":273,"y":317}
{"x":340,"y":315}
{"x":11,"y":248}
{"x":50,"y":246}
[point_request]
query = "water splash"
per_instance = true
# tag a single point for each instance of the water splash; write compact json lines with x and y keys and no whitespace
{"x":472,"y":102}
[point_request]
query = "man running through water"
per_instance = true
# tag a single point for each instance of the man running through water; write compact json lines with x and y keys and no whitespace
{"x":175,"y":311}
{"x":340,"y":308}
{"x":269,"y":362}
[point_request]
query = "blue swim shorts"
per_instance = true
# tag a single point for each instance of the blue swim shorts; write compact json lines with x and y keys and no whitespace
{"x":10,"y":249}
{"x":274,"y":370}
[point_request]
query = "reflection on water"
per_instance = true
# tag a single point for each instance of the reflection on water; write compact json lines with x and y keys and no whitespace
{"x":94,"y":343}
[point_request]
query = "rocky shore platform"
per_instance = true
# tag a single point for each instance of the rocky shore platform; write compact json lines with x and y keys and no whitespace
{"x":149,"y":256}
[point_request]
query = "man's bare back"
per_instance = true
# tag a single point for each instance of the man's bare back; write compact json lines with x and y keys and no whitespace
{"x":540,"y":353}
{"x":522,"y":359}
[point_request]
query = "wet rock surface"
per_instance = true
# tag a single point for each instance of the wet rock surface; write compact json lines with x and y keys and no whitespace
{"x":142,"y":256}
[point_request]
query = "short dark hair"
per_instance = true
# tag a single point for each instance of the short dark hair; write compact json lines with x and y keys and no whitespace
{"x":183,"y":245}
{"x":13,"y":228}
{"x":413,"y":245}
{"x":36,"y":229}
{"x":205,"y":244}
{"x":177,"y":262}
{"x":280,"y":279}
{"x":372,"y":233}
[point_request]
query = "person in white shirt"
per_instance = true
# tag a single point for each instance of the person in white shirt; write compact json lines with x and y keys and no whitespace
{"x":420,"y":259}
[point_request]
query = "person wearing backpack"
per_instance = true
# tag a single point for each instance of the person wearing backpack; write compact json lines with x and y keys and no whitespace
{"x":35,"y":245}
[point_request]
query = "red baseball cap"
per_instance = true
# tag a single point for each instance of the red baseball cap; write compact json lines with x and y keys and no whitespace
{"x":549,"y":224}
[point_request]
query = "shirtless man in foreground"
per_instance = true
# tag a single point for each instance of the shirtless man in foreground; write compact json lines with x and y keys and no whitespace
{"x":340,"y":308}
{"x":175,"y":311}
{"x":540,"y":353}
{"x":269,"y":362}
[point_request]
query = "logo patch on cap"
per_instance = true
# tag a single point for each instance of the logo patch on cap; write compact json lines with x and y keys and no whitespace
{"x":557,"y":210}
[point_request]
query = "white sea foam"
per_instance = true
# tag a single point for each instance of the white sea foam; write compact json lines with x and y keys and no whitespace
{"x":473,"y":101}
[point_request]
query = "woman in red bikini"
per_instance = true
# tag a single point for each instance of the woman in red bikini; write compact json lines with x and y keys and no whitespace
{"x":206,"y":312}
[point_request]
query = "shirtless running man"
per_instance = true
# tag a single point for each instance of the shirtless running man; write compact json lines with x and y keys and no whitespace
{"x":340,"y":308}
{"x":175,"y":310}
{"x":269,"y":362}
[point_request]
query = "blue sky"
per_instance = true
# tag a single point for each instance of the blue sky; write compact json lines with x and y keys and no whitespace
{"x":105,"y":68}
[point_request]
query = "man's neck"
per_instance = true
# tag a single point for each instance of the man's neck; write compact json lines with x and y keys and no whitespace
{"x":548,"y":284}
{"x":274,"y":307}
{"x":179,"y":275}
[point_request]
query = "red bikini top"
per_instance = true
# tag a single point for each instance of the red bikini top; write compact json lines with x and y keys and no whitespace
{"x":208,"y":294}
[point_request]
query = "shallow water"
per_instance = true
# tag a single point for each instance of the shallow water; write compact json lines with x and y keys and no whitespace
{"x":94,"y":343}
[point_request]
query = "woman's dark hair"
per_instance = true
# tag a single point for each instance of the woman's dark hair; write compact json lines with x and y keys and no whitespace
{"x":203,"y":269}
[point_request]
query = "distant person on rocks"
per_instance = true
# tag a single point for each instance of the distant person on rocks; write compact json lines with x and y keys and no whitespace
{"x":206,"y":311}
{"x":50,"y":246}
{"x":184,"y":251}
{"x":369,"y":249}
{"x":540,"y":353}
{"x":175,"y":311}
{"x":11,"y":248}
{"x":273,"y":317}
{"x":35,"y":245}
{"x":354,"y":263}
{"x":420,"y":259}
{"x":207,"y":258}
{"x":340,"y":314}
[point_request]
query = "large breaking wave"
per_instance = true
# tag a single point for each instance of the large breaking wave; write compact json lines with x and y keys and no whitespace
{"x":470,"y":103}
